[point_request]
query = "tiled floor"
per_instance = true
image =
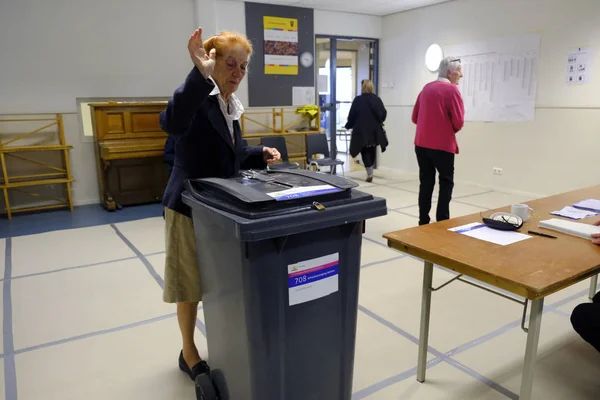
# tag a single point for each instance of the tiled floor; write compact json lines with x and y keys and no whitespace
{"x":83,"y":316}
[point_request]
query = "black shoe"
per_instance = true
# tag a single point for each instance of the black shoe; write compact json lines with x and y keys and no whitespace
{"x":200,"y":368}
{"x":369,"y":179}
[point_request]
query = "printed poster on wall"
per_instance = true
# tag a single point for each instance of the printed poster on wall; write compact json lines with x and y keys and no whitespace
{"x":578,"y":66}
{"x":281,"y":46}
{"x":500,"y":77}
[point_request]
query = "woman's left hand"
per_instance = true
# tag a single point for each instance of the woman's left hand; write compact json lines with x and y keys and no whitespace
{"x":271,"y":155}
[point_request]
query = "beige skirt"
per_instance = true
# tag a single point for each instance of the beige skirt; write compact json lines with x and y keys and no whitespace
{"x":182,"y":276}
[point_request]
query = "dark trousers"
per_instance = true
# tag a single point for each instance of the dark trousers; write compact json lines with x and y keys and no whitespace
{"x":368,"y":155}
{"x":586,"y":321}
{"x":431,"y":161}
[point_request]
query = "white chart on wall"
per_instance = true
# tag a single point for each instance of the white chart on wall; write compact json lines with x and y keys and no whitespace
{"x":500,"y":77}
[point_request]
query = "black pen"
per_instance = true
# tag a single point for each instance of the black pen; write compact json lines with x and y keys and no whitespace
{"x":542,"y":235}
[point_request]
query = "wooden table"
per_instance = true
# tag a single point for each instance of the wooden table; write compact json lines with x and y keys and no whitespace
{"x":533,"y":268}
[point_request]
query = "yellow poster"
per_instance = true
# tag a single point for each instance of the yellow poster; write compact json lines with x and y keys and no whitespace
{"x":281,"y":46}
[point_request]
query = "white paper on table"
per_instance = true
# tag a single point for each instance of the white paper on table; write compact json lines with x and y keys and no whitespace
{"x":574,"y":213}
{"x":589,"y":204}
{"x":480,"y":231}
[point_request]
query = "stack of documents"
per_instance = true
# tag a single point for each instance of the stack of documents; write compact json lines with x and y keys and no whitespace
{"x":589,"y":204}
{"x":578,"y":229}
{"x":574,"y":213}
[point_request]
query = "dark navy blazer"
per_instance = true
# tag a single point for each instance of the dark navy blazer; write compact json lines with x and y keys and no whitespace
{"x":169,"y":152}
{"x":204,"y":148}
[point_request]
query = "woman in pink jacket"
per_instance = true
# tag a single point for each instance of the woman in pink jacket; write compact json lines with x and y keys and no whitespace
{"x":439,"y":115}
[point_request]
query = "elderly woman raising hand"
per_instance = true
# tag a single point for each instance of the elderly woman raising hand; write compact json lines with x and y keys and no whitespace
{"x":204,"y":115}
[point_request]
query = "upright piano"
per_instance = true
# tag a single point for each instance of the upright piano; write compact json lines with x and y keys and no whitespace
{"x":129,"y":147}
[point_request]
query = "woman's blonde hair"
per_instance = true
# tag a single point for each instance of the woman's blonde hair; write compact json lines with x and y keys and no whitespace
{"x":225,"y":40}
{"x":367,"y":87}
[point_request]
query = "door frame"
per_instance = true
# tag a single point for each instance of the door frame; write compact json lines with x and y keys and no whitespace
{"x":332,"y":106}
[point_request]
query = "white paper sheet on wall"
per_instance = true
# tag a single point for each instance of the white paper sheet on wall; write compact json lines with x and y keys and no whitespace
{"x":500,"y":77}
{"x":579,"y":65}
{"x":323,"y":83}
{"x":303,"y":95}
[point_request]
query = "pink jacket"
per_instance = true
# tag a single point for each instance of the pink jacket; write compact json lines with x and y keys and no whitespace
{"x":439,"y":114}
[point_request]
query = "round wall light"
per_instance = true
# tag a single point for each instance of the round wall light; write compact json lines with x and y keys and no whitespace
{"x":433,"y":57}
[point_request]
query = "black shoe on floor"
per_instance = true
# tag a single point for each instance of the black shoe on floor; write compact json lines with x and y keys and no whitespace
{"x":200,"y":368}
{"x":369,"y":179}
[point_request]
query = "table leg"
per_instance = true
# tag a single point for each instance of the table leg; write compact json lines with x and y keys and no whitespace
{"x":593,"y":286}
{"x":425,"y":311}
{"x":533,"y":338}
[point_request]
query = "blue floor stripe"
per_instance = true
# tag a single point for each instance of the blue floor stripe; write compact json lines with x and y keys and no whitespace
{"x":379,"y":243}
{"x":363,"y":393}
{"x":201,"y":327}
{"x":142,"y":257}
{"x":97,"y":333}
{"x":10,"y":371}
{"x":405,"y":213}
{"x":383,"y":261}
{"x":562,"y":313}
{"x":73,"y":268}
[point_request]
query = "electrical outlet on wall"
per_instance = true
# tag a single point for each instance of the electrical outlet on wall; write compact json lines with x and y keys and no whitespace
{"x":497,"y":171}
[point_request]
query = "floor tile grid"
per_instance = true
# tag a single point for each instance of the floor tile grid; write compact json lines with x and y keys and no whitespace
{"x":151,"y":271}
{"x":439,"y":356}
{"x":143,"y":257}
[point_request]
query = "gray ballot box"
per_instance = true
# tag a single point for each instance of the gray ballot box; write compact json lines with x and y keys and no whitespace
{"x":279,"y":258}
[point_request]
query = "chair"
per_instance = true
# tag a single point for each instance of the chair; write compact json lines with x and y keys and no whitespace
{"x":317,"y":144}
{"x":278,"y":142}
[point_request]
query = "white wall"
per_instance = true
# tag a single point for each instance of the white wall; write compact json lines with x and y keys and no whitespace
{"x":231,"y":16}
{"x":556,"y":152}
{"x":55,"y":51}
{"x":347,"y":24}
{"x":363,"y":68}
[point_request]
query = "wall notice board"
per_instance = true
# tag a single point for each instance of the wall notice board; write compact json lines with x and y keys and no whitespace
{"x":281,"y":37}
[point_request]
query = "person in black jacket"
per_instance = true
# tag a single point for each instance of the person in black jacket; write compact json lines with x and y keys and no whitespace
{"x":586,"y":317}
{"x":169,"y":156}
{"x":366,"y":119}
{"x":169,"y":152}
{"x":203,"y":116}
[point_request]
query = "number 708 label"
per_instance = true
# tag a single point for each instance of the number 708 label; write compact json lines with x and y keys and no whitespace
{"x":312,"y":279}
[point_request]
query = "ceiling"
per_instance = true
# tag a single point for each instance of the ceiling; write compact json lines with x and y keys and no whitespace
{"x":369,"y":7}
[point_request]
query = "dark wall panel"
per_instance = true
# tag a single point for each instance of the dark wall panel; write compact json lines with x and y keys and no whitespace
{"x":276,"y":90}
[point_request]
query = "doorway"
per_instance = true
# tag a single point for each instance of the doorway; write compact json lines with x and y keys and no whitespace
{"x":342,"y":64}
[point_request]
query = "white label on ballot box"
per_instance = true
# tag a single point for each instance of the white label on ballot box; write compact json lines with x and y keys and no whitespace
{"x":312,"y":279}
{"x":299,"y":192}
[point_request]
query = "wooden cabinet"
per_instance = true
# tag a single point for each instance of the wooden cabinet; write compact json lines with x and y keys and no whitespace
{"x":30,"y":147}
{"x":129,"y":153}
